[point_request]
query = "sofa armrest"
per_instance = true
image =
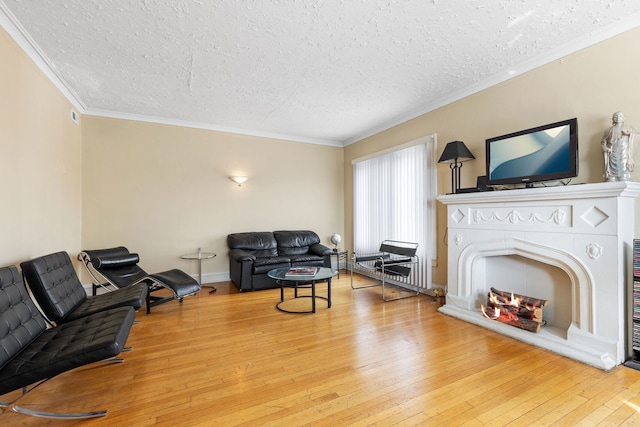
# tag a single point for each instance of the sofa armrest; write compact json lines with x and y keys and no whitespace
{"x":240,"y":255}
{"x":320,"y":249}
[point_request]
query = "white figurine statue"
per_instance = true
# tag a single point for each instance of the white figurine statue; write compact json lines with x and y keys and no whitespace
{"x":617,"y":146}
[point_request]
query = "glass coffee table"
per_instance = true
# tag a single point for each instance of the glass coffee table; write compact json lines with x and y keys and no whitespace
{"x":281,"y":277}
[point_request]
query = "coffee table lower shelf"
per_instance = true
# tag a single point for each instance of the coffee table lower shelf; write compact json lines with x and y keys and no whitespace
{"x":298,"y":283}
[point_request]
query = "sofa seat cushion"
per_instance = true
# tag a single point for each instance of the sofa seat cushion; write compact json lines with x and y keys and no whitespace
{"x":271,"y":260}
{"x":306,"y":259}
{"x":264,"y":265}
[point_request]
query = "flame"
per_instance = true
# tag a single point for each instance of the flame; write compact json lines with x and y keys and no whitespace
{"x":515,"y":302}
{"x":494,"y":316}
{"x":515,"y":310}
{"x":493,"y":298}
{"x":495,"y":312}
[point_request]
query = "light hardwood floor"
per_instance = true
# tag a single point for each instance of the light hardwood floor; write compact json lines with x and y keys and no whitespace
{"x":229,"y":358}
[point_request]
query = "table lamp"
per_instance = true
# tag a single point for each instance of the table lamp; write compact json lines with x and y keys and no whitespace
{"x":455,"y":153}
{"x":336,"y":239}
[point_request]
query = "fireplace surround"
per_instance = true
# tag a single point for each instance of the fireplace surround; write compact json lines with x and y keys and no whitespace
{"x":571,"y":245}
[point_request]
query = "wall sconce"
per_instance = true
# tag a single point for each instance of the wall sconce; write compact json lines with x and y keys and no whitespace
{"x":238,"y":179}
{"x":455,"y":153}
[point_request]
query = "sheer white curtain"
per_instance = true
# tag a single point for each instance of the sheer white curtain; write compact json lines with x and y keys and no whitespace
{"x":394,"y":198}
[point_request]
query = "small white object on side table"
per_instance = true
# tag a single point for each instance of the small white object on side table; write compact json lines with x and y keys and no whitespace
{"x":199,"y":257}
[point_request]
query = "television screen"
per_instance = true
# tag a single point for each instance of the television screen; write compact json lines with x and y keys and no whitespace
{"x":543,"y":153}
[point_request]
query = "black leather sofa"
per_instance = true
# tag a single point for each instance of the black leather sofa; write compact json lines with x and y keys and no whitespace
{"x":253,"y":254}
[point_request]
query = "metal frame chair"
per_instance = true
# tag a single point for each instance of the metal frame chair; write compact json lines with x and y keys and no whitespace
{"x":395,"y":259}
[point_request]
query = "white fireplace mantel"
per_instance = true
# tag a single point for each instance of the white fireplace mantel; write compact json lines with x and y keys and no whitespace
{"x":585,"y":231}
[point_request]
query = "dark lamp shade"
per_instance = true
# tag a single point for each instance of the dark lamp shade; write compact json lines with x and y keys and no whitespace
{"x":455,"y":152}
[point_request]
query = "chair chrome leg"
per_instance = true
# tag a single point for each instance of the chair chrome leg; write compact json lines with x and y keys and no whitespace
{"x":47,"y":414}
{"x":59,"y":416}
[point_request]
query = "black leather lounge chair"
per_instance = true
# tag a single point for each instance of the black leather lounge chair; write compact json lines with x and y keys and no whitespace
{"x":31,"y":353}
{"x":57,"y":289}
{"x":117,"y":268}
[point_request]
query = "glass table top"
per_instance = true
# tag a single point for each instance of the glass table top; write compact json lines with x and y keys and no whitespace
{"x":323,"y":273}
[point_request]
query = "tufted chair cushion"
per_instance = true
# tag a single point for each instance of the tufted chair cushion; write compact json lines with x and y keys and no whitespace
{"x":21,"y":321}
{"x":57,"y":289}
{"x":54,"y":284}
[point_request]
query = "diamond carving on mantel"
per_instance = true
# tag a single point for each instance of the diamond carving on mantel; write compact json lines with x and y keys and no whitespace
{"x":557,"y":216}
{"x":457,"y":216}
{"x":594,"y":217}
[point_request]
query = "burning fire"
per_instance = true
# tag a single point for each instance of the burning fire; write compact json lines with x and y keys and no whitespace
{"x":495,"y":312}
{"x":493,"y":316}
{"x":516,"y":310}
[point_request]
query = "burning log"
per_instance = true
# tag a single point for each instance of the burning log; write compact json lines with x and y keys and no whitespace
{"x":516,"y":310}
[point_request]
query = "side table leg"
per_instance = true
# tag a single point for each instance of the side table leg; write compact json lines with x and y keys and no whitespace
{"x":313,"y":296}
{"x":213,"y":288}
{"x":329,"y":292}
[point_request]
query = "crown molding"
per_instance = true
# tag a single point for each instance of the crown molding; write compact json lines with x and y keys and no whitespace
{"x":206,"y":126}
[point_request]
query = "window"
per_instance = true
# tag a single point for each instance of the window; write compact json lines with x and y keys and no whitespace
{"x":394,"y":198}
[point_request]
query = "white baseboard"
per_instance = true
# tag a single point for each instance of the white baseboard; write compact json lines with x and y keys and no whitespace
{"x":214,"y":277}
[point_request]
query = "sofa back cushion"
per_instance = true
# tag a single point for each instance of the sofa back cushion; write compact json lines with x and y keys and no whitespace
{"x":295,"y":242}
{"x":259,"y":244}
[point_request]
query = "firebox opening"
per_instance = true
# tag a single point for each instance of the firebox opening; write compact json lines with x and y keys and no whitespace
{"x":515,"y":273}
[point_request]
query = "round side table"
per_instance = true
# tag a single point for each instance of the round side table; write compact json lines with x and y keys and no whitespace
{"x":199,"y":257}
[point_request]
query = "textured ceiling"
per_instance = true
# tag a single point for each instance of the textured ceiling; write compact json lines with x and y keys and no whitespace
{"x":326,"y":71}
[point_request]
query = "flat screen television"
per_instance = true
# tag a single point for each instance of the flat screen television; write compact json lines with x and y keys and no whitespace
{"x":543,"y":153}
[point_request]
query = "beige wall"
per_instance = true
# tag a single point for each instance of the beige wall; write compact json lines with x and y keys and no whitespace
{"x":164,"y":191}
{"x":590,"y":85}
{"x":40,"y":170}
